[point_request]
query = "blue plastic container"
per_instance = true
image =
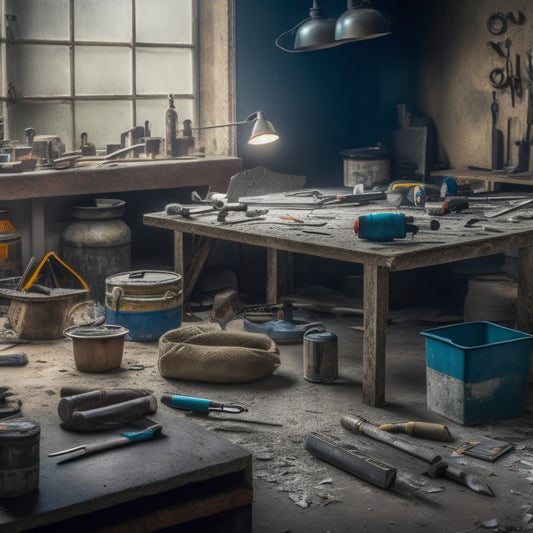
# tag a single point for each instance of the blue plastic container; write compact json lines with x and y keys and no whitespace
{"x":477,"y":371}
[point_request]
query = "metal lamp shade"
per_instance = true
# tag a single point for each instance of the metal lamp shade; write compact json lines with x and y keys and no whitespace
{"x":315,"y":33}
{"x":263,"y":132}
{"x":360,"y":22}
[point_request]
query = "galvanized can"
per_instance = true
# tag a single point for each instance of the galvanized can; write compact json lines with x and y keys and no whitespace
{"x":97,"y":243}
{"x":19,"y":457}
{"x":146,"y":302}
{"x":320,"y":356}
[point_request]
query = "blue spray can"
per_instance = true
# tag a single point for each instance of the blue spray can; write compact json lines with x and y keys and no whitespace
{"x":384,"y":226}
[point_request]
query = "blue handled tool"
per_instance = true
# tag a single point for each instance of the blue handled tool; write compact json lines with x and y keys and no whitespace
{"x":126,"y":438}
{"x":200,"y":405}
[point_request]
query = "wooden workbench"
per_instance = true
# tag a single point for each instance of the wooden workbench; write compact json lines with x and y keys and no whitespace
{"x":189,"y":474}
{"x":335,"y":239}
{"x":115,"y":176}
{"x":489,"y":179}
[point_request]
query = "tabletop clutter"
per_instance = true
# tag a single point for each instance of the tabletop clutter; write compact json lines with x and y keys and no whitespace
{"x":51,"y":300}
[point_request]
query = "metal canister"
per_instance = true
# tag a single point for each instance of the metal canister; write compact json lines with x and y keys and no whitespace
{"x":19,"y":456}
{"x":10,"y":248}
{"x":146,"y":302}
{"x":320,"y":356}
{"x":97,"y":243}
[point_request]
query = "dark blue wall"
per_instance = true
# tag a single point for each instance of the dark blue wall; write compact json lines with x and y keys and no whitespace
{"x":321,"y":102}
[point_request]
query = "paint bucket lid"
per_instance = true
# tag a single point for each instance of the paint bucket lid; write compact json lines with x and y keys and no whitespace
{"x":139,"y":278}
{"x":18,"y":428}
{"x":105,"y":331}
{"x":314,"y":335}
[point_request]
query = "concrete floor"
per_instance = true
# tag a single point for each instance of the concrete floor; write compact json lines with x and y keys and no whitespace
{"x":296,"y":492}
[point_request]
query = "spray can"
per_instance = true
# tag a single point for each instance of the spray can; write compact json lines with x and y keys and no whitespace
{"x":171,"y":120}
{"x":383,"y":226}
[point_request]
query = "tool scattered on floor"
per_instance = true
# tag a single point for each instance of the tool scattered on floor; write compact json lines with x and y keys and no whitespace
{"x":423,"y":430}
{"x":361,"y":426}
{"x":351,"y":460}
{"x":10,"y":406}
{"x":14,"y":359}
{"x":438,"y":467}
{"x":107,"y":415}
{"x":200,"y":405}
{"x":126,"y":438}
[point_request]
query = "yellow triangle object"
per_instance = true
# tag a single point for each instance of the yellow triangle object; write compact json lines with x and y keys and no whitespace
{"x":52,"y":255}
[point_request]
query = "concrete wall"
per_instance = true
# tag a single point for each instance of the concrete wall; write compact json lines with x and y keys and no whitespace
{"x":321,"y":102}
{"x":453,"y":84}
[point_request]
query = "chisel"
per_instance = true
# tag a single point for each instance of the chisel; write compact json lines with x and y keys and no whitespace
{"x":126,"y":438}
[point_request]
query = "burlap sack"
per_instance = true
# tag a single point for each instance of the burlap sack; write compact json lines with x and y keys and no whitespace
{"x":206,"y":352}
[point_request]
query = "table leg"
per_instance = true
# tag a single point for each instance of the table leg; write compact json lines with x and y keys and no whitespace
{"x":376,"y":307}
{"x":272,"y":276}
{"x":524,"y":300}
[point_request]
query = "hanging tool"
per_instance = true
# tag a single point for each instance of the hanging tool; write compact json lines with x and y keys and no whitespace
{"x":529,"y":71}
{"x":438,"y":467}
{"x":423,"y":430}
{"x":126,"y":438}
{"x":497,"y":137}
{"x":200,"y":405}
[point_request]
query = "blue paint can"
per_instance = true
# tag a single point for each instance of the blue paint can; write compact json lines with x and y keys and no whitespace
{"x":146,"y":302}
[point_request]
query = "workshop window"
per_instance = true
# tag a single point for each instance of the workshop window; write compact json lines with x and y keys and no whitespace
{"x":103,"y":67}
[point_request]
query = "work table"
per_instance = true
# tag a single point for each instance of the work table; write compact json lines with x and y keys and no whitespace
{"x":99,"y":178}
{"x":120,"y":175}
{"x":328,"y":232}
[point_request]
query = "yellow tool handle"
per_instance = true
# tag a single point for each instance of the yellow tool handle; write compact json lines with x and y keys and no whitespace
{"x":423,"y":430}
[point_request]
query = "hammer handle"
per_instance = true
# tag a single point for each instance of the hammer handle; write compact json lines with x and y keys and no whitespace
{"x":360,"y":425}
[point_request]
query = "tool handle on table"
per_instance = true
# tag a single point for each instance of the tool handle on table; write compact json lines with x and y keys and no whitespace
{"x":146,"y":434}
{"x":93,"y":399}
{"x":188,"y":403}
{"x":111,"y":415}
{"x":360,"y":425}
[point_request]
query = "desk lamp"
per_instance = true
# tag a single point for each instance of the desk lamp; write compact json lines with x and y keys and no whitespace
{"x":263,"y":131}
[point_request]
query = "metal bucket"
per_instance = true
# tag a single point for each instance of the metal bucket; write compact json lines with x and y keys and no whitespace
{"x":146,"y":302}
{"x":320,"y":356}
{"x":19,"y":457}
{"x":97,"y":243}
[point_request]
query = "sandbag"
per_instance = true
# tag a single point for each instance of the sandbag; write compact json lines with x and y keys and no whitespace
{"x":206,"y":352}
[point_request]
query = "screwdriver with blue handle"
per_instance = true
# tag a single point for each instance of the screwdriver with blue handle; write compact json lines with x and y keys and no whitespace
{"x":126,"y":438}
{"x":200,"y":405}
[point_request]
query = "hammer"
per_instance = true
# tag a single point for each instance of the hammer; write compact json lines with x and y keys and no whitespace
{"x":177,"y":209}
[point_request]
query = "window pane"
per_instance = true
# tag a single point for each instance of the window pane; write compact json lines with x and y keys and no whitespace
{"x":40,"y":19}
{"x":46,"y":118}
{"x":162,"y":70}
{"x":28,"y":62}
{"x":154,"y":112}
{"x":163,"y":21}
{"x":102,"y":20}
{"x":102,"y":70}
{"x":103,"y":121}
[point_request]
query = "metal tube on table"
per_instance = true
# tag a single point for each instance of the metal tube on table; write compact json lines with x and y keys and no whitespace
{"x":352,"y":461}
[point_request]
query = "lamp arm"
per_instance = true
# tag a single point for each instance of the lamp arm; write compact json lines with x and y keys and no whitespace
{"x":221,"y":125}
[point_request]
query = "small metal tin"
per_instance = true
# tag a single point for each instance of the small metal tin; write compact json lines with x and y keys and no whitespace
{"x":320,"y":356}
{"x":19,"y":457}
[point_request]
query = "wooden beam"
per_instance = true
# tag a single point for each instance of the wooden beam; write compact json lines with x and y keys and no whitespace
{"x":376,"y":305}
